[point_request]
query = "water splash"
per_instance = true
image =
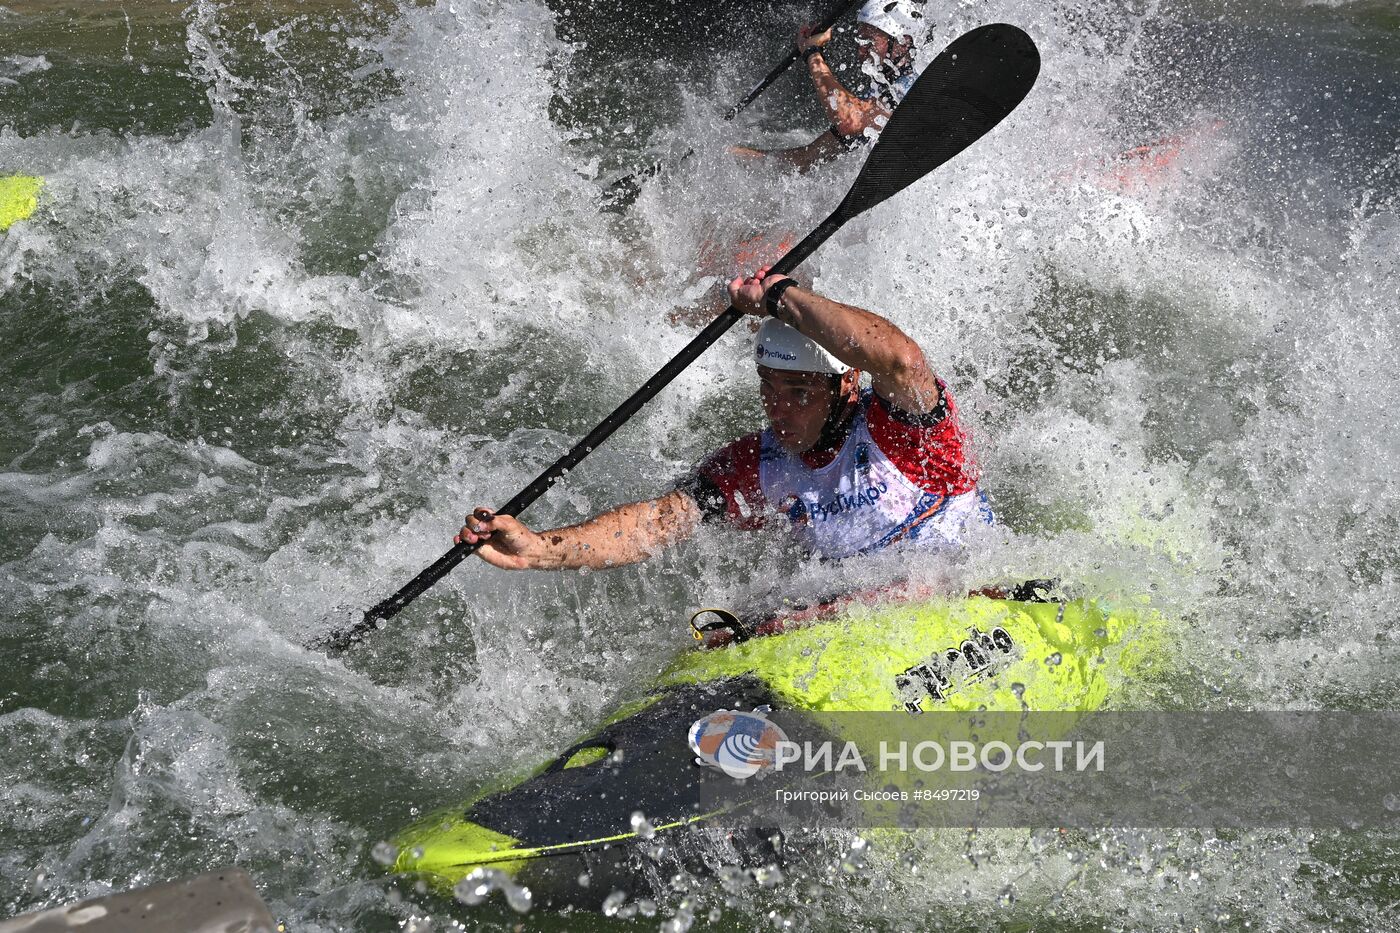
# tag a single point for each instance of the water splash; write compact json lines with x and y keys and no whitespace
{"x":270,"y":348}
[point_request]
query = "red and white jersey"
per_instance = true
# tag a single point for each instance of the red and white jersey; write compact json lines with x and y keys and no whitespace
{"x":895,"y":478}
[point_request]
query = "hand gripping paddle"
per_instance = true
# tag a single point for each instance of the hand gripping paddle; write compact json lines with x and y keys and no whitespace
{"x":968,"y":89}
{"x":621,"y":193}
{"x":793,"y":55}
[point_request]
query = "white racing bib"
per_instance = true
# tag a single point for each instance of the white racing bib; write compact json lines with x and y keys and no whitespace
{"x":861,"y":501}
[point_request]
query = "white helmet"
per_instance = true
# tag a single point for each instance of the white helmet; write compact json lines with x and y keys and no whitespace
{"x":895,"y":18}
{"x":782,"y":347}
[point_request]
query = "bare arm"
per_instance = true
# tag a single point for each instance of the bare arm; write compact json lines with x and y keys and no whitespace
{"x":824,"y":147}
{"x":626,"y":534}
{"x":859,"y":338}
{"x":849,"y":115}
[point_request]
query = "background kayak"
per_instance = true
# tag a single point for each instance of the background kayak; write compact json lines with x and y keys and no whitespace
{"x":311,"y":279}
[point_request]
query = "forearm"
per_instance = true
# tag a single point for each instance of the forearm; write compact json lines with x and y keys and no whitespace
{"x":866,"y":341}
{"x":623,"y":535}
{"x":849,"y":114}
{"x":814,"y":153}
{"x":802,"y":158}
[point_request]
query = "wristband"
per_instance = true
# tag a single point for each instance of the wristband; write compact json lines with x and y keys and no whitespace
{"x":775,"y":294}
{"x":810,"y":51}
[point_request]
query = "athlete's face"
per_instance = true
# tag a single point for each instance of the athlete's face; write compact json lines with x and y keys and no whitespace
{"x":797,"y":404}
{"x":878,"y":47}
{"x":874,"y":43}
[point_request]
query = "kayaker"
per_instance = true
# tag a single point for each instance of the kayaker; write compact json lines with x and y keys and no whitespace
{"x":847,"y":470}
{"x":887,"y":31}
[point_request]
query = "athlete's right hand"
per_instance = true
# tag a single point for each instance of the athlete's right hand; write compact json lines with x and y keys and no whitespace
{"x":504,"y":541}
{"x":808,"y":37}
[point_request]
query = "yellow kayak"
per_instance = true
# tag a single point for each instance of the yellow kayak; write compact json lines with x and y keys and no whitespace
{"x":951,"y":654}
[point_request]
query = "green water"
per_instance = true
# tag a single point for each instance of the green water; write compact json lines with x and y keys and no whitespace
{"x":310,"y":280}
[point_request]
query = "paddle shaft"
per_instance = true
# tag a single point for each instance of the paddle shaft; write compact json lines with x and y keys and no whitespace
{"x":557,"y":470}
{"x":793,"y":55}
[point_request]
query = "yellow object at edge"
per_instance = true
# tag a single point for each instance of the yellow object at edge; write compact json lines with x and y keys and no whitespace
{"x":19,"y":197}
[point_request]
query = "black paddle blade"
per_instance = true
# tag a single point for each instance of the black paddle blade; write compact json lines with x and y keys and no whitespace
{"x":968,"y":89}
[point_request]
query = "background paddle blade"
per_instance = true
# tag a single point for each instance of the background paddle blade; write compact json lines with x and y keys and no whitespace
{"x":969,"y":88}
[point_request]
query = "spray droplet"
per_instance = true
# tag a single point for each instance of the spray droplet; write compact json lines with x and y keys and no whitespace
{"x":641,"y":826}
{"x":384,"y":854}
{"x":477,"y":887}
{"x":732,"y":879}
{"x":473,"y":889}
{"x":684,"y":918}
{"x":613,"y":902}
{"x":854,"y":860}
{"x":518,"y":897}
{"x":38,"y":882}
